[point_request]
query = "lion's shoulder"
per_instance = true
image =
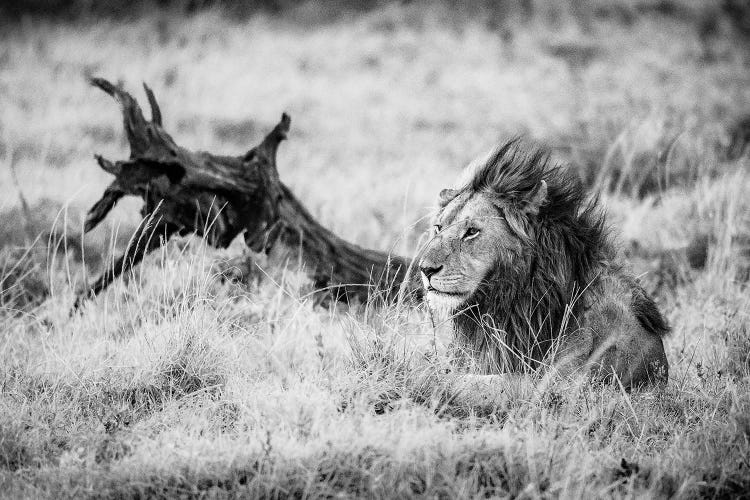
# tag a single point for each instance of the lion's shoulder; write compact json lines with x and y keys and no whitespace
{"x":619,"y":297}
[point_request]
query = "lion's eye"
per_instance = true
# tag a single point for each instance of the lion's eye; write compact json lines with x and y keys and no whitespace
{"x":470,"y":233}
{"x":437,"y":228}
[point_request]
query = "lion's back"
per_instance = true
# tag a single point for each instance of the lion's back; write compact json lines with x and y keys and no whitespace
{"x":627,"y":329}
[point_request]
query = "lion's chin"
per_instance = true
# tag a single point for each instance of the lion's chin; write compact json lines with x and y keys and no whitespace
{"x":445,"y":303}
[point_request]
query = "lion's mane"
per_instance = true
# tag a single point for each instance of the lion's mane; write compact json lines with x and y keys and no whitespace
{"x":512,"y":320}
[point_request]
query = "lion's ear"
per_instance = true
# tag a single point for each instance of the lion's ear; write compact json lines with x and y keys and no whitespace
{"x":535,"y":199}
{"x":446,"y":195}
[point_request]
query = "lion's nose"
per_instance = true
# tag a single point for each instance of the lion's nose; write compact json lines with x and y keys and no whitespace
{"x":429,"y":271}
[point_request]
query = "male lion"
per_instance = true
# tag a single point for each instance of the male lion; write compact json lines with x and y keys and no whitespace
{"x":524,"y":265}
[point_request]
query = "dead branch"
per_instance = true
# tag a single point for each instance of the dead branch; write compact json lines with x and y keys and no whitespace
{"x":219,"y":197}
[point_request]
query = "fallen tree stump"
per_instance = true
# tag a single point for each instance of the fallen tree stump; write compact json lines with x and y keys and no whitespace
{"x":218,"y":197}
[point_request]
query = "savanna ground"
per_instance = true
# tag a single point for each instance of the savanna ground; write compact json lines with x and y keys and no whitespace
{"x":177,"y":382}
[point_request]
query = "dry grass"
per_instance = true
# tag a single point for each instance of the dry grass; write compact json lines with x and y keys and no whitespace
{"x":178,"y":383}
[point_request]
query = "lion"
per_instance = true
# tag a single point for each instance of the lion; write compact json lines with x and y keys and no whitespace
{"x":524,"y":264}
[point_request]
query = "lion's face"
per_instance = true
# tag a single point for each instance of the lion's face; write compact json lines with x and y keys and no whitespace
{"x":471,"y":237}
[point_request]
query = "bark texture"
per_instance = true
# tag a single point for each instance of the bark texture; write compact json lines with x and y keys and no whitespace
{"x":218,"y":197}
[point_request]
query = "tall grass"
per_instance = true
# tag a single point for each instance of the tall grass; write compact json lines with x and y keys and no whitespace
{"x":180,"y":382}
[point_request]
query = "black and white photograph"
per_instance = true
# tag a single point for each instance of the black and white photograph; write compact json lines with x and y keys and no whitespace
{"x":384,"y":249}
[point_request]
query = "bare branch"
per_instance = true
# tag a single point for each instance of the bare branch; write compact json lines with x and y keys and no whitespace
{"x":107,"y":165}
{"x":145,"y":240}
{"x":219,"y":197}
{"x":133,"y":121}
{"x":101,"y":208}
{"x":155,"y":110}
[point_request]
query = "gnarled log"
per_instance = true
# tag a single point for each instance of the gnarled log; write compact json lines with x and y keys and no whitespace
{"x":219,"y":197}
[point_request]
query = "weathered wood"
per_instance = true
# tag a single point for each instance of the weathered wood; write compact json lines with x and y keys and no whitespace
{"x":146,"y":239}
{"x":219,"y":197}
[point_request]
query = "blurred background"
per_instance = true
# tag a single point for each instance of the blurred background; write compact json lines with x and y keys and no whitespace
{"x":389,"y":100}
{"x":175,"y":382}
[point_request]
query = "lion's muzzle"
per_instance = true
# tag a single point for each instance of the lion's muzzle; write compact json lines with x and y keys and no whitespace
{"x":428,"y":270}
